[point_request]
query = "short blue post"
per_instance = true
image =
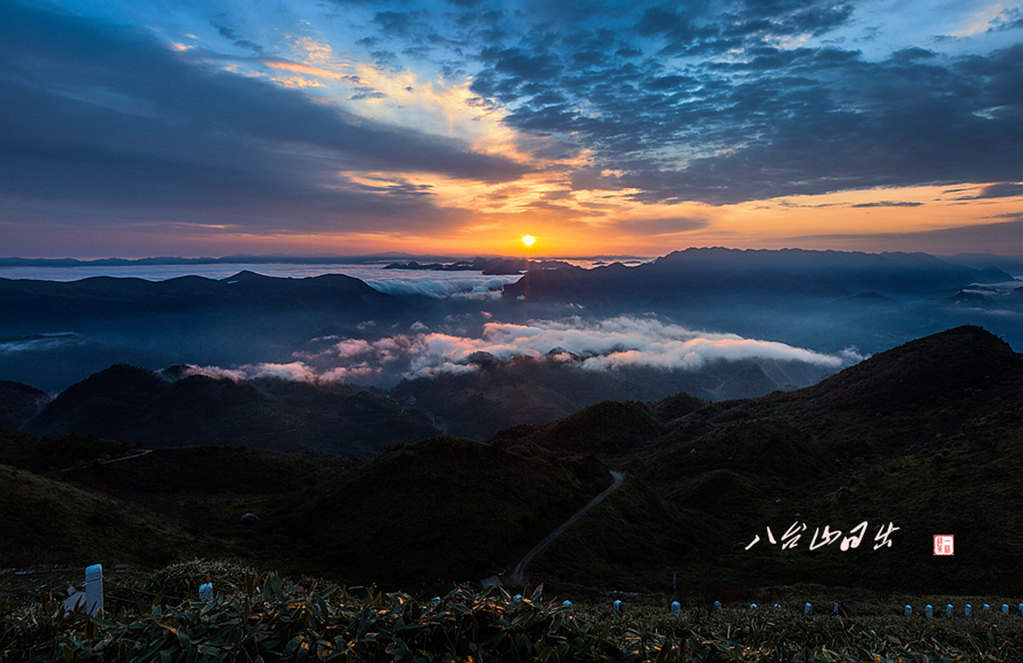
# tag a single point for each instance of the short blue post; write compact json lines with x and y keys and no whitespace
{"x":616,"y":606}
{"x":676,"y":607}
{"x":566,"y":604}
{"x":1005,"y":608}
{"x":807,"y":608}
{"x":717,"y":605}
{"x":986,"y":607}
{"x":753,"y":606}
{"x":206,"y":591}
{"x":907,"y":611}
{"x":835,"y":607}
{"x":968,"y":610}
{"x":94,"y":589}
{"x":929,"y":610}
{"x":949,"y":610}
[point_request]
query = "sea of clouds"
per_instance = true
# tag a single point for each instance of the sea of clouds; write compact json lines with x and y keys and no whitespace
{"x":609,"y":344}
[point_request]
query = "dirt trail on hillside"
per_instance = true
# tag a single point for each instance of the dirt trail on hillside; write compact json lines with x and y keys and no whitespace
{"x":517,"y":578}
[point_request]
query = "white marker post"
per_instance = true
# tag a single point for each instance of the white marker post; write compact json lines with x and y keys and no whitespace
{"x":94,"y":589}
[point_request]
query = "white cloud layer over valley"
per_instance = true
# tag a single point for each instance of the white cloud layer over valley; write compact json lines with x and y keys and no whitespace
{"x":609,"y":344}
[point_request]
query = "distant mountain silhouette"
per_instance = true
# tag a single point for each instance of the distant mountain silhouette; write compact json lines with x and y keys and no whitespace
{"x":694,"y":273}
{"x":490,"y":266}
{"x":146,"y":408}
{"x":104,"y":296}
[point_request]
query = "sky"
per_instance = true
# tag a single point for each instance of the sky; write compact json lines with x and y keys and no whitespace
{"x":184,"y":127}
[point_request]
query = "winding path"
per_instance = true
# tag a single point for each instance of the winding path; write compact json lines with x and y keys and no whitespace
{"x":134,"y":454}
{"x":517,"y":577}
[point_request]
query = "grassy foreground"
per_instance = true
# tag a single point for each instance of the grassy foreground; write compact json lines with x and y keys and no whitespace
{"x":267,"y":618}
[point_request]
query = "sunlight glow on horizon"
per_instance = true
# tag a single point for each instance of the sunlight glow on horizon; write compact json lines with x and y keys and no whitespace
{"x":411,"y":129}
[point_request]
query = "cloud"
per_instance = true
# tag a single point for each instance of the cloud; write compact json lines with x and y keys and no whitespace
{"x":610,"y":344}
{"x":601,"y":345}
{"x":1008,"y":19}
{"x":40,"y":343}
{"x":107,"y":123}
{"x":438,"y":284}
{"x":761,"y":105}
{"x":663,"y":226}
{"x":999,"y":190}
{"x":888,"y":203}
{"x":232,"y":36}
{"x":215,"y":372}
{"x":295,"y":371}
{"x":1003,"y":238}
{"x":648,"y":102}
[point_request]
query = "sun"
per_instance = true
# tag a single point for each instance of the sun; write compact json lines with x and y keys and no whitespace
{"x":528,"y":240}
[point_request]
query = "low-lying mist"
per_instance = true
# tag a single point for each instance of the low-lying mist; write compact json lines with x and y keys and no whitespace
{"x":593,"y":345}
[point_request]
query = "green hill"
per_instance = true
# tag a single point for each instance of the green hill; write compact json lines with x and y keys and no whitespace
{"x":926,"y":436}
{"x":421,"y":515}
{"x":58,"y":452}
{"x":439,"y":510}
{"x":46,"y":520}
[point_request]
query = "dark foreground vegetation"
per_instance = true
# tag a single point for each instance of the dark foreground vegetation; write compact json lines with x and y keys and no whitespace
{"x":269,"y":618}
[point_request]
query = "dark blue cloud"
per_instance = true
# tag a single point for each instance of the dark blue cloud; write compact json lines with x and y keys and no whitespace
{"x":889,"y":203}
{"x":999,"y":190}
{"x":1003,"y":237}
{"x":105,"y":116}
{"x":693,"y":102}
{"x":232,"y":36}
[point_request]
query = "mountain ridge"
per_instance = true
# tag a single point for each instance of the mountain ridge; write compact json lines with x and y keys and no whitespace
{"x":154,"y":410}
{"x":692,"y":272}
{"x":703,"y":482}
